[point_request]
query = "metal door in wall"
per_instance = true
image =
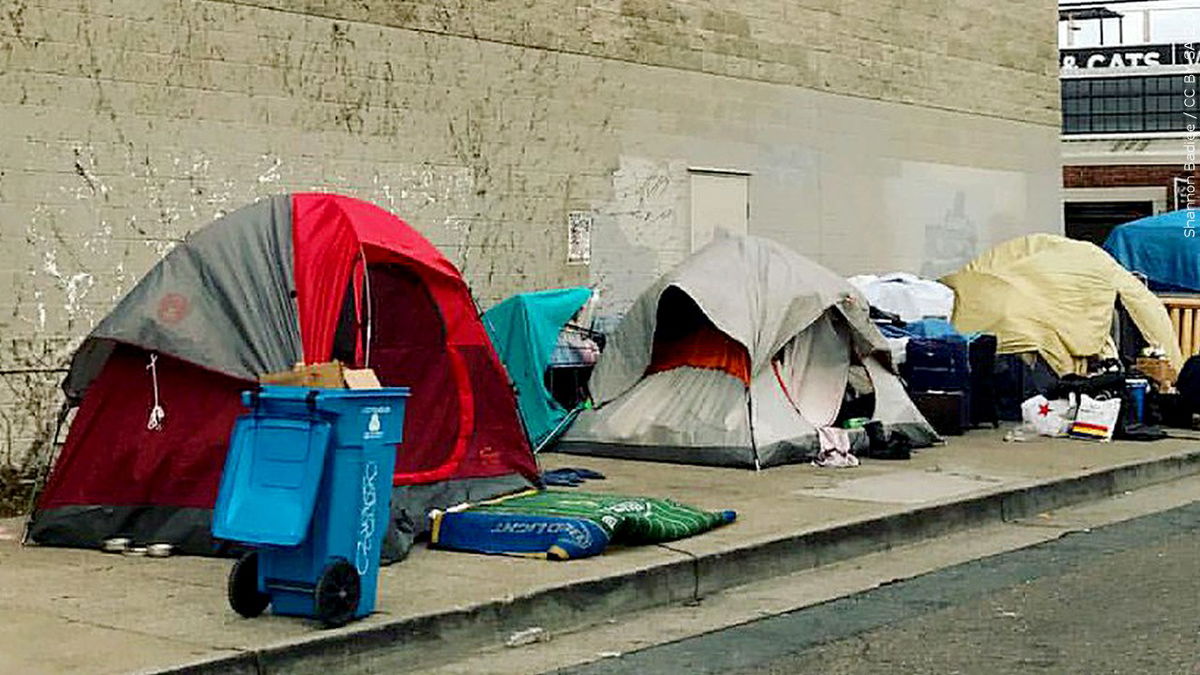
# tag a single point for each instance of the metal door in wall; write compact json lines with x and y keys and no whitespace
{"x":720,"y":203}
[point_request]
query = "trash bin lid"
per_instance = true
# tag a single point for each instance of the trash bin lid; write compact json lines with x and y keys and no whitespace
{"x":272,"y":475}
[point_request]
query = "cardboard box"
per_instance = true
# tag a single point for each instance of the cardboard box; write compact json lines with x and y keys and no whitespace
{"x":1159,"y":370}
{"x":361,"y":378}
{"x":329,"y":375}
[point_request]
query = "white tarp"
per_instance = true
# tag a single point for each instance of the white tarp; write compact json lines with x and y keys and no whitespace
{"x":907,"y":295}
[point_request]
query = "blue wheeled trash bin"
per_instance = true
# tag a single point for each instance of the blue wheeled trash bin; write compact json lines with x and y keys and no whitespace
{"x":307,"y":484}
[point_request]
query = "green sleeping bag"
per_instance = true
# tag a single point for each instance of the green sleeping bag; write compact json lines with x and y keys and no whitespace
{"x":565,"y":521}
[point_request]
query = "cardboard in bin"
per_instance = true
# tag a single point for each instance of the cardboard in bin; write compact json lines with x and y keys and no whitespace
{"x":1159,"y":370}
{"x":329,"y":375}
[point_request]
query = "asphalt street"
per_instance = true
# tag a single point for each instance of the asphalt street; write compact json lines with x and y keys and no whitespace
{"x":1124,"y":598}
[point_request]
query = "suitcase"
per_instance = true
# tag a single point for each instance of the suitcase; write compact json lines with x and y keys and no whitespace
{"x":981,"y":357}
{"x":954,"y":363}
{"x":937,"y":364}
{"x":946,"y":411}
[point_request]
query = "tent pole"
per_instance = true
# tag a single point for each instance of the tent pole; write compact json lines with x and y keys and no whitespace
{"x":370,"y":310}
{"x":750,"y":424}
{"x":43,"y":469}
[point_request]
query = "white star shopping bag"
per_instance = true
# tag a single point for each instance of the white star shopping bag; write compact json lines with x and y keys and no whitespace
{"x":1046,"y":417}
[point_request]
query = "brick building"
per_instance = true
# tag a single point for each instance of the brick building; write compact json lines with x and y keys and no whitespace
{"x":537,"y":143}
{"x":1125,"y":101}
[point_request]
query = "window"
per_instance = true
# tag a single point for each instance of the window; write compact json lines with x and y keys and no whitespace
{"x":1131,"y":104}
{"x":1093,"y":221}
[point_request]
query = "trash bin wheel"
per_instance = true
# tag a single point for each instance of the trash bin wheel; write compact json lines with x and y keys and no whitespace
{"x":244,"y":596}
{"x":337,"y":593}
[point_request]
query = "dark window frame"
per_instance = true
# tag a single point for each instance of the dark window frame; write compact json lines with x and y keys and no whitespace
{"x":1127,"y":104}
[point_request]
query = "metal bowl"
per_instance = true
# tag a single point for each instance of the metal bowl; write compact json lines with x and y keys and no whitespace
{"x":115,"y":545}
{"x":159,"y":550}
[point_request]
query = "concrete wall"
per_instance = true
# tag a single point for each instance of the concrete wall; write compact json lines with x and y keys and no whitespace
{"x":877,"y":135}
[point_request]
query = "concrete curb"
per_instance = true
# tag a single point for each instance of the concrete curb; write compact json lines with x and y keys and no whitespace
{"x":408,"y":643}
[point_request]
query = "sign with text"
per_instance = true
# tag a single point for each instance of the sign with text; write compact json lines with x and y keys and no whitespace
{"x":579,"y":238}
{"x":1128,"y":56}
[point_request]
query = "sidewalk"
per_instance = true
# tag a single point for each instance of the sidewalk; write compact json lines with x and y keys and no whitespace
{"x":87,"y":611}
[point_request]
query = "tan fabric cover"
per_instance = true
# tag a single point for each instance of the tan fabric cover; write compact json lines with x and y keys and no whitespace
{"x":1055,"y":296}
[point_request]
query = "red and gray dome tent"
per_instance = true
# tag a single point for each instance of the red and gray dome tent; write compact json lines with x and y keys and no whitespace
{"x":302,"y":277}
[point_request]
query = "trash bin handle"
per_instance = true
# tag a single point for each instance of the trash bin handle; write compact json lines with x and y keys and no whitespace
{"x":254,"y":393}
{"x":311,"y":399}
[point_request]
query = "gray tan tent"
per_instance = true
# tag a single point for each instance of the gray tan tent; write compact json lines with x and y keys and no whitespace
{"x":736,"y":358}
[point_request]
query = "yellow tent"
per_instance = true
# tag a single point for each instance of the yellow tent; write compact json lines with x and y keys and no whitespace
{"x":1055,"y":296}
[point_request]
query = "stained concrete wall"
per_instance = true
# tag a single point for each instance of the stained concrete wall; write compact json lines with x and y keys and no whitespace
{"x":877,"y":135}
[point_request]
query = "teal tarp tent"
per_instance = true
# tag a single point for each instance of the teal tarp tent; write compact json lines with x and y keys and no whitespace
{"x":1161,"y":248}
{"x":524,"y":329}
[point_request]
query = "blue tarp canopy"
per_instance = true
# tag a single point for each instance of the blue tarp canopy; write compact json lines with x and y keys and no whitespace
{"x":525,"y":329}
{"x":1160,"y":248}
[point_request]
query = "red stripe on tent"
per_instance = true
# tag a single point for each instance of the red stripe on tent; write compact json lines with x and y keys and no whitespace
{"x":375,"y":227}
{"x":787,"y":394}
